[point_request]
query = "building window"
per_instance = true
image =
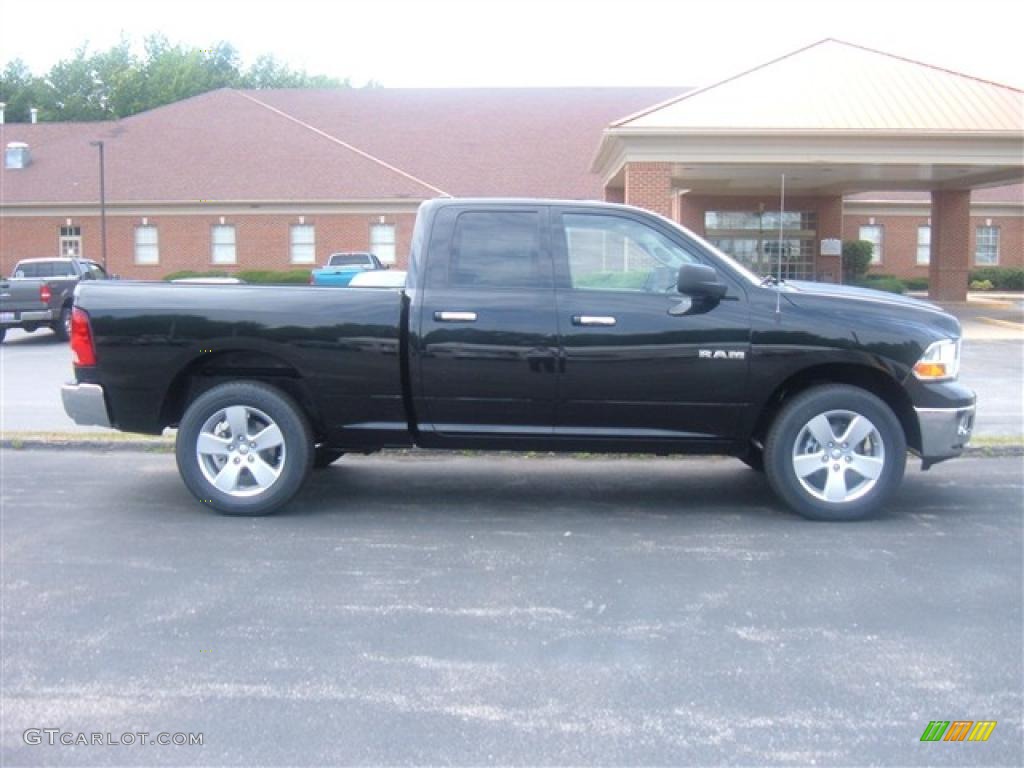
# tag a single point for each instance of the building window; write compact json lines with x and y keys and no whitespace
{"x":71,"y":242}
{"x":382,"y":242}
{"x":986,"y":249}
{"x":222,"y":240}
{"x":873,"y":234}
{"x":924,"y":245}
{"x":303,"y":244}
{"x":147,"y":247}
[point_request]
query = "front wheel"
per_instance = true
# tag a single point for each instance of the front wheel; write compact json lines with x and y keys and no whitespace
{"x":244,"y":448}
{"x":835,"y":452}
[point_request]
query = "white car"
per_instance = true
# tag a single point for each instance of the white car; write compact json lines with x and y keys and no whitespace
{"x":378,"y":278}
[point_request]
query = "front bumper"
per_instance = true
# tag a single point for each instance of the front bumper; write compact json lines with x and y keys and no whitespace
{"x":945,"y":432}
{"x":85,"y":404}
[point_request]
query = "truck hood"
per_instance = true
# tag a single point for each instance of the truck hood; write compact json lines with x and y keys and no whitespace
{"x":865,"y":305}
{"x":858,"y":294}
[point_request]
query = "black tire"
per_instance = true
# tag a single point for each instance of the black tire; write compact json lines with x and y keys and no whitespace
{"x":3,"y":334}
{"x":792,"y":441}
{"x":288,"y":453}
{"x":62,"y":328}
{"x":323,"y":457}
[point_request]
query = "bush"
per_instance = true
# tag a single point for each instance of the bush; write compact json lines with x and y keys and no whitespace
{"x":257,"y":276}
{"x":275,"y":277}
{"x":981,"y":285}
{"x":856,"y":259}
{"x":883,"y":283}
{"x":1002,"y":278}
{"x":915,"y":283}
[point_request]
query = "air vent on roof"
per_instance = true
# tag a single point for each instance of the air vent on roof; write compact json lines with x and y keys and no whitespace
{"x":16,"y":155}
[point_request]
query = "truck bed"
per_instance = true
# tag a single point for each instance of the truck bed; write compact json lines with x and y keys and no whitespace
{"x":150,"y":335}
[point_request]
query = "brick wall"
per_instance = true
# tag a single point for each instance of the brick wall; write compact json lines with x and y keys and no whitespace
{"x":899,"y":252}
{"x":262,"y":241}
{"x":649,"y":185}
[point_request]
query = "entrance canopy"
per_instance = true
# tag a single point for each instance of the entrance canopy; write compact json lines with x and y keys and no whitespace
{"x":835,"y":118}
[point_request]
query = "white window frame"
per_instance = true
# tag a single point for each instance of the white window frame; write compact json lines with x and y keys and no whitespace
{"x":989,"y":230}
{"x":302,"y":251}
{"x":384,"y":247}
{"x":219,"y":253}
{"x":924,"y":258}
{"x":147,"y":253}
{"x":877,"y":243}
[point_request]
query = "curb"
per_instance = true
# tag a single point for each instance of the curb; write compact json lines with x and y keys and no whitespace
{"x":167,"y":446}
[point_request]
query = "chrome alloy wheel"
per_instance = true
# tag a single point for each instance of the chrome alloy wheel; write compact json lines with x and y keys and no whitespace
{"x":838,"y":456}
{"x":241,"y":451}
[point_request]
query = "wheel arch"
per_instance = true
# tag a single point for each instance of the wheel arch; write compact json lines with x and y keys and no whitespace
{"x":207,"y":371}
{"x":873,"y":380}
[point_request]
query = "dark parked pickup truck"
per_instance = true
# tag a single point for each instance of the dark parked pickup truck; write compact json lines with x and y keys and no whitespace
{"x":39,"y":292}
{"x":538,"y":325}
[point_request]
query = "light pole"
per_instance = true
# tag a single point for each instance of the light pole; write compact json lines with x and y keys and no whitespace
{"x":103,"y":205}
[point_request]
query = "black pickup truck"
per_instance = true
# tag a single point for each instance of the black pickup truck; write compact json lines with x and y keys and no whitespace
{"x":533,"y":325}
{"x":39,"y":293}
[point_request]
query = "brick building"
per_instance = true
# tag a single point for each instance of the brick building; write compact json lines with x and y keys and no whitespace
{"x":234,"y":180}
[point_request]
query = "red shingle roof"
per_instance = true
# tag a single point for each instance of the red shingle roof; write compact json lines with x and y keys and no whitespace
{"x":379,"y":144}
{"x":346,"y":144}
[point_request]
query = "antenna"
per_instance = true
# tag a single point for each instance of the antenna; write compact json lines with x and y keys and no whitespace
{"x":778,"y":279}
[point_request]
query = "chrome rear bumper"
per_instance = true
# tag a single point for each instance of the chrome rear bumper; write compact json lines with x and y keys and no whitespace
{"x":84,"y":403}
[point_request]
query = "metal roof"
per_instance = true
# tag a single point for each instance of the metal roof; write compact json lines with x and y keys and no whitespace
{"x":833,"y":86}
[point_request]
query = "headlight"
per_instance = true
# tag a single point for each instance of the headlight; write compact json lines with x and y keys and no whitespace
{"x":940,"y":362}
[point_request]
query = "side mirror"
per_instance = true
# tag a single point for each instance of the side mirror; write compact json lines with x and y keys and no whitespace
{"x":86,"y":276}
{"x":700,"y":281}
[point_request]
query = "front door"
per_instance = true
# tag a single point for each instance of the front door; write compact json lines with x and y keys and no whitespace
{"x":487,"y":346}
{"x":642,"y":363}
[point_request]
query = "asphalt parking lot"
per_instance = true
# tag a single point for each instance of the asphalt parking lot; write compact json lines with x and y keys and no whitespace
{"x":506,"y":610}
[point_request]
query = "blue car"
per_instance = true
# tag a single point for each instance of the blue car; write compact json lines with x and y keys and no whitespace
{"x":342,"y":267}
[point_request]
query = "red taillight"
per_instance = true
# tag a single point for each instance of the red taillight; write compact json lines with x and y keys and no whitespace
{"x":82,"y":350}
{"x":44,"y":293}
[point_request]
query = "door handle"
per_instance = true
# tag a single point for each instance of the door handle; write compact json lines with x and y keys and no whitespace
{"x":604,"y":320}
{"x":455,"y":317}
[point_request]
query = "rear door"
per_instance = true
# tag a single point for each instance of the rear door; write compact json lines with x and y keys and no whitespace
{"x":487,"y":345}
{"x":642,"y":363}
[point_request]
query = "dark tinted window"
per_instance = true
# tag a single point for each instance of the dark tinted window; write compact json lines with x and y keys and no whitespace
{"x":498,"y":249}
{"x":350,"y":259}
{"x":27,"y":270}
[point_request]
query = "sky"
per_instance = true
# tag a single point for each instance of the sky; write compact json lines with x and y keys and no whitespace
{"x":497,"y":43}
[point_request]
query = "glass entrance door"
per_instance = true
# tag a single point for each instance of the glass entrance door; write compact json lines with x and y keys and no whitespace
{"x":752,"y":238}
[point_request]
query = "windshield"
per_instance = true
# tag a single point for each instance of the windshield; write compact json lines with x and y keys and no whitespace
{"x":735,"y":265}
{"x":349,"y":260}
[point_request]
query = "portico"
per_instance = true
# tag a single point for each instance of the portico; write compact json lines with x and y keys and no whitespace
{"x":835,"y":119}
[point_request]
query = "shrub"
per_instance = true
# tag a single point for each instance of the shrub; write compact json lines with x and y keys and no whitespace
{"x":981,"y":285}
{"x":856,"y":259}
{"x":915,"y":283}
{"x":1002,"y":278}
{"x":883,"y":283}
{"x":275,"y":277}
{"x":258,"y":276}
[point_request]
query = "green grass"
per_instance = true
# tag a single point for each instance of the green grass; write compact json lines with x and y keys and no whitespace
{"x":621,"y":281}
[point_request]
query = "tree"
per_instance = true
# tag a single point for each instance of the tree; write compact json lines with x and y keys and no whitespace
{"x":856,"y":259}
{"x":110,"y":84}
{"x":20,"y":90}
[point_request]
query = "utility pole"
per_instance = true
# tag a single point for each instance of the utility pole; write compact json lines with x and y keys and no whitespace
{"x":103,"y":205}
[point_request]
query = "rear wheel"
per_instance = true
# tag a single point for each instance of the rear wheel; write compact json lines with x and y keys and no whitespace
{"x":244,"y":448}
{"x":62,"y":328}
{"x":835,"y":452}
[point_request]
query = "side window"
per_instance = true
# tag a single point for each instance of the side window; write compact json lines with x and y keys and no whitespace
{"x":498,"y":249}
{"x":28,"y":270}
{"x":611,"y":253}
